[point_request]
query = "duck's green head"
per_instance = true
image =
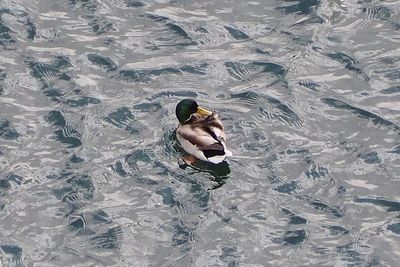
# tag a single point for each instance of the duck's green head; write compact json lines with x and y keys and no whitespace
{"x":187,"y":107}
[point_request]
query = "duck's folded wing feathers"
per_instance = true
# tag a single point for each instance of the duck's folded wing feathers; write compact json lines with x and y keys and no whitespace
{"x":216,"y":149}
{"x":196,"y":136}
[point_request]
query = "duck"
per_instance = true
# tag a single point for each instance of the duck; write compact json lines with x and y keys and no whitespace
{"x":200,"y":132}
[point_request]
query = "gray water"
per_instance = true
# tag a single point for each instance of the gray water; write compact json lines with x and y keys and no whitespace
{"x":91,"y":173}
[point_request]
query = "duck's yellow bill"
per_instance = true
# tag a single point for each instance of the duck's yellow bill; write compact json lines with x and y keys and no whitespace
{"x":203,"y":111}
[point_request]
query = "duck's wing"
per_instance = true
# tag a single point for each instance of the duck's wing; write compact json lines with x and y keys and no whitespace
{"x":197,"y":136}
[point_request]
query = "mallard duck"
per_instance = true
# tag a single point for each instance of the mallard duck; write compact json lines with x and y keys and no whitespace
{"x":200,"y":132}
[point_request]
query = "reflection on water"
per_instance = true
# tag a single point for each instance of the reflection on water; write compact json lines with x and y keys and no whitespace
{"x":90,"y":169}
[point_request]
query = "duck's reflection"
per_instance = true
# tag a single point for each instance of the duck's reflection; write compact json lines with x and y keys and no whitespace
{"x":219,"y":172}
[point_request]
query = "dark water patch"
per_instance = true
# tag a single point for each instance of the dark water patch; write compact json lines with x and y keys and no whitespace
{"x":378,"y":12}
{"x":119,"y":169}
{"x":229,"y":255}
{"x":23,"y":18}
{"x":237,"y":34}
{"x":12,"y":249}
{"x":66,"y":133}
{"x":310,"y":85}
{"x":292,"y":238}
{"x":139,"y":155}
{"x":131,"y":75}
{"x":111,"y":239}
{"x":281,"y":112}
{"x":6,"y":38}
{"x":391,"y":90}
{"x":77,"y":189}
{"x":82,"y":101}
{"x":392,"y":74}
{"x":396,"y":149}
{"x":325,"y":208}
{"x":370,"y":157}
{"x":88,"y":5}
{"x":102,"y":61}
{"x":168,"y":196}
{"x":302,"y":7}
{"x":200,"y":195}
{"x":6,"y":131}
{"x":337,"y":230}
{"x":201,"y":30}
{"x":247,"y":71}
{"x":15,"y":178}
{"x":5,"y":183}
{"x":390,"y":60}
{"x":315,"y":171}
{"x":225,"y":219}
{"x":319,"y":205}
{"x":145,"y":180}
{"x":256,"y":146}
{"x":336,"y":103}
{"x":53,"y":92}
{"x":61,"y":62}
{"x":134,"y":3}
{"x":100,"y":25}
{"x":258,"y":216}
{"x":379,"y":201}
{"x":197,"y":69}
{"x":147,"y":107}
{"x":157,"y":18}
{"x":183,"y":237}
{"x":262,"y":51}
{"x":293,"y":218}
{"x":31,"y":29}
{"x":354,"y":258}
{"x":349,"y":63}
{"x":74,"y":159}
{"x":42,"y":70}
{"x":178,"y":30}
{"x":67,"y":77}
{"x":12,"y":254}
{"x":289,"y":187}
{"x":349,"y":147}
{"x":100,"y":217}
{"x":394,"y":227}
{"x":395,"y":24}
{"x":3,"y":76}
{"x":171,"y":34}
{"x":124,"y":119}
{"x":77,"y":223}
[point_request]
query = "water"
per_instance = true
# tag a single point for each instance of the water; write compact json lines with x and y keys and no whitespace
{"x":90,"y":170}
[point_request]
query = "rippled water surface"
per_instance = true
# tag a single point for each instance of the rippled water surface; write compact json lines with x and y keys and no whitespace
{"x":90,"y":170}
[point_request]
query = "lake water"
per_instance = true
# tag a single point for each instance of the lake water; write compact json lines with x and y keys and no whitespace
{"x":90,"y":170}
